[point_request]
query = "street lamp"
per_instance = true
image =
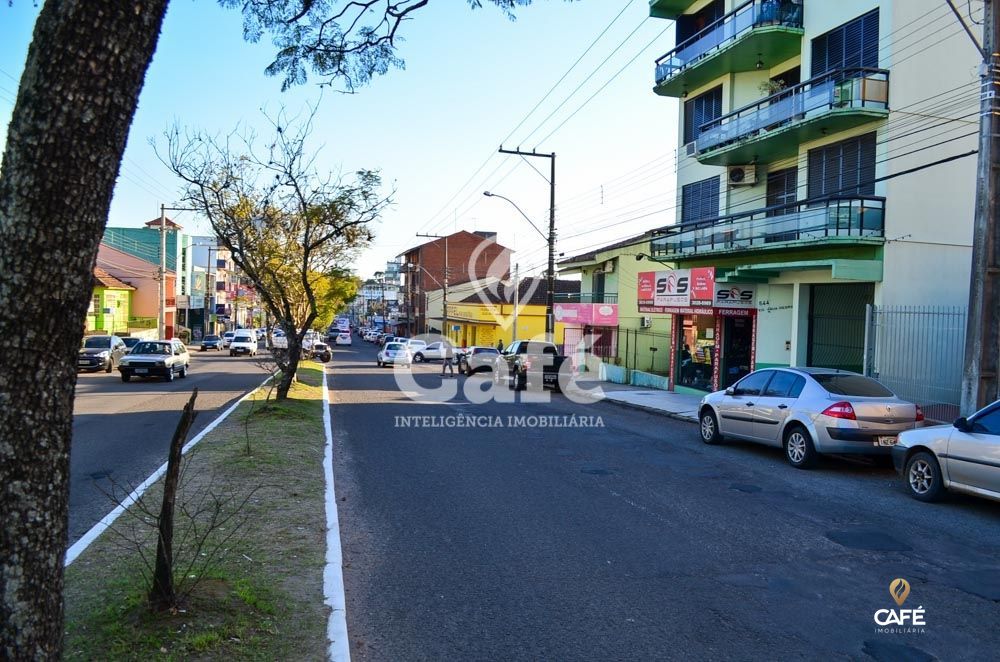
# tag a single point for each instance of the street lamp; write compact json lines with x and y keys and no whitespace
{"x":550,"y":272}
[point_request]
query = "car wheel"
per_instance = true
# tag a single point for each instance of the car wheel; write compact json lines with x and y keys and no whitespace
{"x":418,"y":358}
{"x":710,"y":428}
{"x":520,"y":381}
{"x":111,"y":366}
{"x":125,"y":377}
{"x":170,"y":374}
{"x":379,"y":362}
{"x":799,"y":449}
{"x":923,"y":477}
{"x":184,"y":371}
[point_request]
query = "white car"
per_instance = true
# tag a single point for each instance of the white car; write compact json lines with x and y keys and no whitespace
{"x":227,"y":338}
{"x":431,"y":352}
{"x":244,"y":342}
{"x":393,"y":353}
{"x":343,"y":338}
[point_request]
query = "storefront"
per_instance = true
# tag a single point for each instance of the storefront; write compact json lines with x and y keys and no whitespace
{"x":713,"y":338}
{"x":589,"y":328}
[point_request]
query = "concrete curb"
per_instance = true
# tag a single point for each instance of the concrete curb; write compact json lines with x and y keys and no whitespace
{"x":651,"y":410}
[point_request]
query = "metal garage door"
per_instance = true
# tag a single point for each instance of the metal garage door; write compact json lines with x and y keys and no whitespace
{"x":837,"y":325}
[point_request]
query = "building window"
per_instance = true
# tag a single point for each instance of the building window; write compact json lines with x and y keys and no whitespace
{"x":782,"y":189}
{"x":690,"y":25}
{"x":95,"y":305}
{"x":703,"y":108}
{"x":843,"y":169}
{"x":853,"y":44}
{"x":700,"y":200}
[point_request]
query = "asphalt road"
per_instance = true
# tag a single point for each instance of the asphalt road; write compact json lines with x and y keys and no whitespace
{"x":633,"y":541}
{"x":121,"y":432}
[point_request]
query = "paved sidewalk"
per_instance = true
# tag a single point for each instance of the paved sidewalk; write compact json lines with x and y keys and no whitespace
{"x":681,"y":406}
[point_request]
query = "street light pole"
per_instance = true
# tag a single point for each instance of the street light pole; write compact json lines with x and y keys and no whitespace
{"x":551,"y":277}
{"x":444,"y":301}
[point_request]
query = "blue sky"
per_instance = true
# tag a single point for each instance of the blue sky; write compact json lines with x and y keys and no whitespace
{"x":470,"y":79}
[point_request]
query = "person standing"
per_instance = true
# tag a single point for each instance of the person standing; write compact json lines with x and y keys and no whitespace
{"x":449,"y":358}
{"x":500,"y":345}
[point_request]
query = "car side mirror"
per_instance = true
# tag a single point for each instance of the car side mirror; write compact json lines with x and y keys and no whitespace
{"x":962,"y":424}
{"x":730,"y":391}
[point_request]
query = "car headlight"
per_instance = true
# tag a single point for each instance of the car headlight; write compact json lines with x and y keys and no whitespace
{"x":104,"y":354}
{"x":123,"y":362}
{"x":161,"y":363}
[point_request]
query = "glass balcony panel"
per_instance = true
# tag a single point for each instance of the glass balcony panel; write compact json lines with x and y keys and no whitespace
{"x":837,"y":92}
{"x":728,"y":29}
{"x":806,"y":221}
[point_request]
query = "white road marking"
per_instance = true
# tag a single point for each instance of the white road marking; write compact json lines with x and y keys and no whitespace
{"x":333,"y":573}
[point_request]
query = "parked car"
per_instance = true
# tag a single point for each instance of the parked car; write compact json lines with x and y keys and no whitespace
{"x":343,"y":338}
{"x":415,"y":345}
{"x":130,"y":342}
{"x":156,"y":358}
{"x":227,"y":338}
{"x":809,"y":412}
{"x":963,"y":457}
{"x":515,"y":364}
{"x":477,"y":358}
{"x":432,"y":352}
{"x":244,"y":342}
{"x":100,"y":353}
{"x":394,"y":353}
{"x":211,"y":342}
{"x":321,"y":352}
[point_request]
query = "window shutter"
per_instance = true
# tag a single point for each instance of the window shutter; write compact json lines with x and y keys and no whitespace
{"x":853,"y":44}
{"x":703,"y":108}
{"x":700,"y":200}
{"x":844,"y":168}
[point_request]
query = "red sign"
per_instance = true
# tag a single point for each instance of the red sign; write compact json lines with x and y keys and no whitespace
{"x":647,"y":286}
{"x":702,"y":286}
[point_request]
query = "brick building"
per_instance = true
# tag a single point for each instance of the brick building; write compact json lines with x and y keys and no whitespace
{"x":470,"y":256}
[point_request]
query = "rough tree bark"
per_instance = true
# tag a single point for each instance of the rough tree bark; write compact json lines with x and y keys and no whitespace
{"x":65,"y":141}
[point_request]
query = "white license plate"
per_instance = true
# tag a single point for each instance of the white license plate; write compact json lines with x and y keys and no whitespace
{"x":886,"y":441}
{"x":83,"y":362}
{"x":141,"y":371}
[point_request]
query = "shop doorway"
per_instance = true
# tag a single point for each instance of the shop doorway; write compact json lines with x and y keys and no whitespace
{"x":737,"y":344}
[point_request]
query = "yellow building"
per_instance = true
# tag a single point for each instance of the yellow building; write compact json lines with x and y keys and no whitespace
{"x":488,"y":315}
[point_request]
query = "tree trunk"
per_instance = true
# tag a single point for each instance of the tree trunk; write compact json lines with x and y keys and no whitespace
{"x":162,"y":595}
{"x":75,"y":103}
{"x":288,"y":370}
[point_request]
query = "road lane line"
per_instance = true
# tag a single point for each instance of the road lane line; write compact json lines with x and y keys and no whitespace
{"x":333,"y":573}
{"x":90,"y":536}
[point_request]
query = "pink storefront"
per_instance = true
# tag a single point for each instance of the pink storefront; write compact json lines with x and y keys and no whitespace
{"x":589,"y":327}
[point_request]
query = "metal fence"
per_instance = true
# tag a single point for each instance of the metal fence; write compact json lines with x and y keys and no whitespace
{"x":918,"y":352}
{"x":632,"y":349}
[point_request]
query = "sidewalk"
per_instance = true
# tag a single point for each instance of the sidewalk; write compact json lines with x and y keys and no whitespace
{"x":682,"y":406}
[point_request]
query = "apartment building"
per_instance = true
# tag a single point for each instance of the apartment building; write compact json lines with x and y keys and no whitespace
{"x":806,"y":178}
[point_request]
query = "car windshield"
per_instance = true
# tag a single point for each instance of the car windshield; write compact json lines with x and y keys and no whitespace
{"x":485,"y":350}
{"x":152,"y":348}
{"x":394,"y":345}
{"x":98,"y":342}
{"x":852,"y":385}
{"x":243,"y":338}
{"x":130,"y":342}
{"x":211,"y":337}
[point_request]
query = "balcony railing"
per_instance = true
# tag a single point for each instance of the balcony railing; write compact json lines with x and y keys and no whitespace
{"x":142,"y":322}
{"x":837,"y":91}
{"x":770,"y":227}
{"x":587,"y":297}
{"x":728,"y":29}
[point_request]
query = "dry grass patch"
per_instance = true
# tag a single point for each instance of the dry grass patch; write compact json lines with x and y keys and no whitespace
{"x":254,"y":587}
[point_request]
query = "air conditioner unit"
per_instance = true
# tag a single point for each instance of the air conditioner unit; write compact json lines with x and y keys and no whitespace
{"x":646,"y":322}
{"x":691,"y":148}
{"x":609,"y":267}
{"x":742,"y":175}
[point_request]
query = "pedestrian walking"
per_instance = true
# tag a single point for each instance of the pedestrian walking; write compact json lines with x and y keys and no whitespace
{"x":449,"y":358}
{"x":500,"y":345}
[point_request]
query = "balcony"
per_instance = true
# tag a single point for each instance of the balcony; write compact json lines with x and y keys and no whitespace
{"x":834,"y":220}
{"x":587,"y":297}
{"x":774,"y":127}
{"x":668,"y":8}
{"x":757,"y":31}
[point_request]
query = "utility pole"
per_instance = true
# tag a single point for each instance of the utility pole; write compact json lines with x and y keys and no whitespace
{"x":551,"y":275}
{"x":444,"y":285}
{"x":517,"y":289}
{"x":980,"y":383}
{"x":161,"y":313}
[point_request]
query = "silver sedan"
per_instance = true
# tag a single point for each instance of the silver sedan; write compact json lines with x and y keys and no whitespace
{"x":964,"y":457}
{"x":808,"y":412}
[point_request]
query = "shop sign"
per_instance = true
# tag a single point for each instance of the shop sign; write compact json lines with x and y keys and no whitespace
{"x":664,"y":288}
{"x":735,"y":295}
{"x":582,"y":314}
{"x":702,"y":286}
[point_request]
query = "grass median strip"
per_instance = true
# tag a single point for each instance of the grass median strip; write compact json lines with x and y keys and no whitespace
{"x":249,"y":547}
